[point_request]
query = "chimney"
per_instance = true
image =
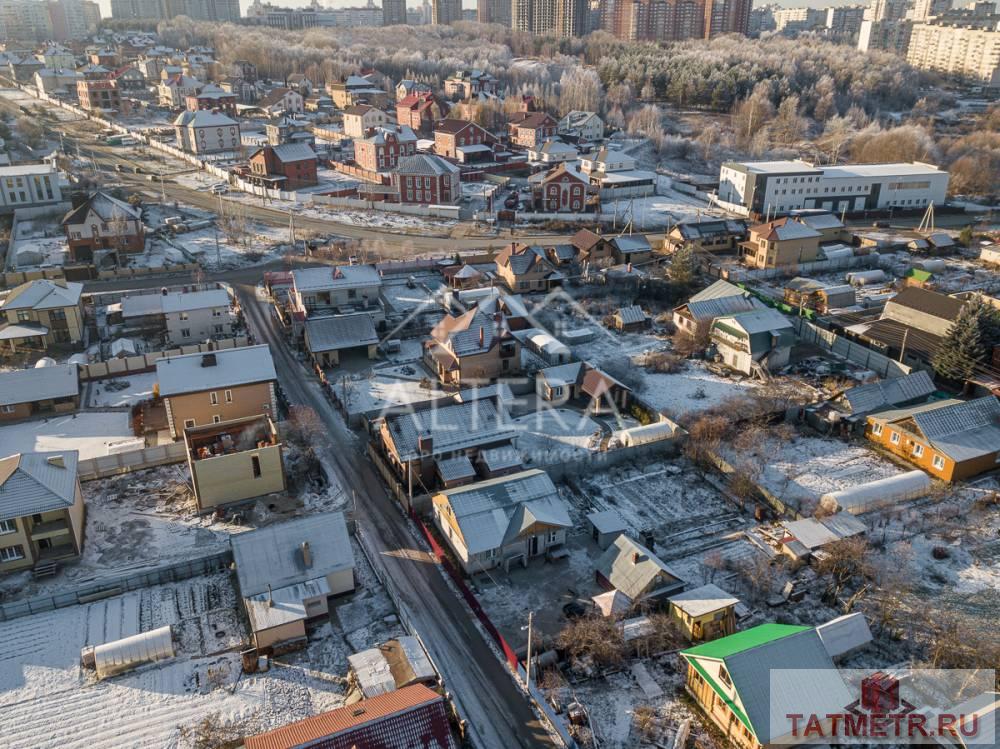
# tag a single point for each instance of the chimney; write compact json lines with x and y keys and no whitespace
{"x":425,"y":443}
{"x":307,"y":559}
{"x":209,"y":360}
{"x":636,"y":557}
{"x":482,"y":336}
{"x":270,"y":598}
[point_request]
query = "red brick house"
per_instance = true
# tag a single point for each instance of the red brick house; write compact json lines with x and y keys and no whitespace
{"x":211,"y":97}
{"x":530,"y":129}
{"x":419,"y":111}
{"x":288,"y":167}
{"x":427,"y":180}
{"x":562,"y":190}
{"x":103,"y":223}
{"x":99,"y":95}
{"x":462,"y":140}
{"x":384,"y":147}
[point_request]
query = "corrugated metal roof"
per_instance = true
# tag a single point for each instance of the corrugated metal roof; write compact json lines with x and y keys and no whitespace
{"x":286,"y":604}
{"x":608,"y":521}
{"x":31,"y":385}
{"x":810,"y":532}
{"x":844,"y":524}
{"x":631,"y":315}
{"x":33,"y":483}
{"x":636,"y":571}
{"x":963,"y":431}
{"x":451,"y":428}
{"x":43,"y":294}
{"x":341,"y":277}
{"x":844,"y":634}
{"x":456,"y":469}
{"x":759,"y":321}
{"x":340,"y":332}
{"x":709,"y":309}
{"x":867,"y":398}
{"x":500,"y":458}
{"x":242,"y":365}
{"x":704,"y":600}
{"x":273,"y":555}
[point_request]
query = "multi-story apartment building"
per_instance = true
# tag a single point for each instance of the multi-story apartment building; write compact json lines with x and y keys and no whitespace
{"x":28,"y":185}
{"x":964,"y":48}
{"x":198,"y":10}
{"x":51,"y":311}
{"x":844,"y":22}
{"x":772,"y":187}
{"x":384,"y":147}
{"x":793,"y":20}
{"x":726,"y":17}
{"x":24,"y":21}
{"x":493,"y":11}
{"x":427,"y":180}
{"x":70,"y":19}
{"x":444,"y":12}
{"x":393,"y":12}
{"x":675,"y":20}
{"x":207,"y":132}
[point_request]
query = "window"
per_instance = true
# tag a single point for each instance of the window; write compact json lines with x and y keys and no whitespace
{"x":214,"y":398}
{"x":724,"y":676}
{"x":188,"y":423}
{"x":8,"y":409}
{"x":185,"y":332}
{"x":918,"y":451}
{"x":229,"y":396}
{"x":938,"y":463}
{"x":877,"y":429}
{"x":216,"y":419}
{"x":894,"y":438}
{"x":11,"y":554}
{"x":8,"y":526}
{"x":255,"y":464}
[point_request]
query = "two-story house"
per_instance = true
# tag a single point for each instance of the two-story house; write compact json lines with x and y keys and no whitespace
{"x":281,"y":101}
{"x":383,"y":147}
{"x":44,"y":312}
{"x":462,"y":141}
{"x":755,"y":343}
{"x":217,"y":386}
{"x":99,"y":95}
{"x":41,"y":509}
{"x":27,"y":185}
{"x":102,"y":222}
{"x":212,"y":97}
{"x":356,"y":89}
{"x":580,"y":126}
{"x":531,"y":129}
{"x":330,"y":290}
{"x":780,"y":243}
{"x":467,"y":83}
{"x":286,"y":167}
{"x":593,"y":248}
{"x":561,"y":190}
{"x":361,"y":118}
{"x":181,"y":317}
{"x":472,"y":348}
{"x":174,"y":90}
{"x":204,"y":132}
{"x":524,"y":268}
{"x":427,"y":180}
{"x":419,"y":111}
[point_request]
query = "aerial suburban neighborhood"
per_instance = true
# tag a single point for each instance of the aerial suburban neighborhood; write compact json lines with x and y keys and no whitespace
{"x":499,"y":374}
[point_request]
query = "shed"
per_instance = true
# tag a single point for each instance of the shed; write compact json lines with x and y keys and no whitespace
{"x":395,"y":664}
{"x":612,"y":603}
{"x":704,"y":613}
{"x":875,"y":494}
{"x":630,"y":318}
{"x":845,"y":635}
{"x":606,"y":526}
{"x":456,"y":471}
{"x":123,"y":655}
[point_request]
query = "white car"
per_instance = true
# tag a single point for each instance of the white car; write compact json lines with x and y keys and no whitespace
{"x":219,"y":189}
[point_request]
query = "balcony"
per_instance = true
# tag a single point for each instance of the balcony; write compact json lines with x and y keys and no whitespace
{"x":49,"y":529}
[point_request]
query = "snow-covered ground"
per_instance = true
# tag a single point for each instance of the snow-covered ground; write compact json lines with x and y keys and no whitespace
{"x":89,"y":432}
{"x":684,"y":394}
{"x":123,"y":391}
{"x":213,"y":249}
{"x":41,"y":239}
{"x":550,"y":435}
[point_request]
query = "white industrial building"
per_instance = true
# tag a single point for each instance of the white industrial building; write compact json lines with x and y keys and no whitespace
{"x":775,"y":187}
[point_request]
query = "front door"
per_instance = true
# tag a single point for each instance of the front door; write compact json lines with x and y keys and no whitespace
{"x":533,"y":546}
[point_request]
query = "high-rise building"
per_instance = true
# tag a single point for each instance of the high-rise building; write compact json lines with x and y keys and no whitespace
{"x":393,"y":12}
{"x":69,"y":20}
{"x":726,"y":17}
{"x":961,"y":46}
{"x":675,"y":20}
{"x":445,"y":12}
{"x":199,"y":10}
{"x":888,"y":36}
{"x":92,"y":14}
{"x":761,"y":20}
{"x":844,"y":22}
{"x":493,"y":11}
{"x":572,"y":18}
{"x":793,"y":20}
{"x":24,"y":21}
{"x":887,"y":10}
{"x":926,"y":9}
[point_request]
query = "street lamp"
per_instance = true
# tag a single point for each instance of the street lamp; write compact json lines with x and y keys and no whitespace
{"x":527,"y":670}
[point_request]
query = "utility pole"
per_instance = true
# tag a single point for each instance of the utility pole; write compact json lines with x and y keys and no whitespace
{"x":902,"y":348}
{"x":291,"y":228}
{"x":527,"y":670}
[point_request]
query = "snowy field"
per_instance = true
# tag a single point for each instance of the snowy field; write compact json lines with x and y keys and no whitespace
{"x":89,"y":432}
{"x":683,"y":394}
{"x":123,"y":391}
{"x":212,"y":249}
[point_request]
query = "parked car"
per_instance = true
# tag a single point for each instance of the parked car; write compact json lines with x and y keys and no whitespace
{"x":219,"y":189}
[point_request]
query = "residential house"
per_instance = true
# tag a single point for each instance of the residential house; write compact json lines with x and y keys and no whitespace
{"x":106,"y":57}
{"x":327,"y":337}
{"x":830,"y":228}
{"x":419,"y":111}
{"x":704,"y":613}
{"x":42,"y":390}
{"x":44,"y":312}
{"x":950,"y":439}
{"x":561,"y":190}
{"x":912,"y":325}
{"x":331,"y":290}
{"x":629,"y":567}
{"x":41,"y":509}
{"x":706,"y":235}
{"x":614,"y":175}
{"x":56,"y":80}
{"x":234,"y":460}
{"x":181,"y":317}
{"x":553,"y":152}
{"x":217,"y":386}
{"x":630,"y":319}
{"x":205,"y":132}
{"x":593,"y":248}
{"x":427,"y":180}
{"x":780,"y":243}
{"x":289,"y":130}
{"x":361,"y":118}
{"x":99,"y":96}
{"x":414,"y":717}
{"x":56,"y":56}
{"x":524,"y":268}
{"x":531,"y":129}
{"x":383,"y":147}
{"x":103,"y":222}
{"x":696,"y":316}
{"x":748,"y":682}
{"x":29,"y":185}
{"x":174,"y":90}
{"x":281,"y":101}
{"x":356,"y":89}
{"x":583,"y":385}
{"x":286,"y":167}
{"x":503,"y":521}
{"x":579,"y":126}
{"x":463,"y":141}
{"x":849,"y":408}
{"x":465,"y":84}
{"x":130,"y":80}
{"x":808,"y":293}
{"x":286,"y":573}
{"x":755,"y":343}
{"x":212,"y":98}
{"x":632,"y":249}
{"x":408,"y":86}
{"x":474,"y":347}
{"x":299,"y":82}
{"x":391,"y":665}
{"x":23,"y":69}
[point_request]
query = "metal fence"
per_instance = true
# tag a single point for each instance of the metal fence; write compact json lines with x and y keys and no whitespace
{"x":132,"y":460}
{"x":850,"y":350}
{"x":114,"y":586}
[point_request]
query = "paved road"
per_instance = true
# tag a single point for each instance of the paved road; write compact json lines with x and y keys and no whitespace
{"x":497,"y":713}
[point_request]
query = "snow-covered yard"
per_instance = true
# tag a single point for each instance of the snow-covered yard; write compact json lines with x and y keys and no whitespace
{"x":683,"y":394}
{"x":122,"y":391}
{"x":92,"y":433}
{"x":550,"y":435}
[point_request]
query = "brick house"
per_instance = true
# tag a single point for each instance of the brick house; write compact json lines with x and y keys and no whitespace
{"x":361,"y":118}
{"x":99,"y":95}
{"x":288,"y":167}
{"x":461,"y":140}
{"x":467,"y":83}
{"x":129,"y":79}
{"x":473,"y":347}
{"x":175,"y":89}
{"x":531,"y":129}
{"x":428,"y":180}
{"x":384,"y":147}
{"x":211,"y":97}
{"x":103,"y":223}
{"x":419,"y":111}
{"x":562,"y":190}
{"x":281,"y":100}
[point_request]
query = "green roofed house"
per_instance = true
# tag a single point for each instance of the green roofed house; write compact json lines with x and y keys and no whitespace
{"x":747,"y":683}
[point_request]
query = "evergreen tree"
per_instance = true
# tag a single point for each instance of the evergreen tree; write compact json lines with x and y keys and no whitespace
{"x":965,"y":345}
{"x":683,"y":266}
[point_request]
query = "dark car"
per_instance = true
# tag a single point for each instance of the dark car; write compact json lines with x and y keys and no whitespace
{"x":575,"y":610}
{"x":510,"y":202}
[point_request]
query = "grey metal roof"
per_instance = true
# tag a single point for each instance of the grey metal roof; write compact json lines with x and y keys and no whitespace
{"x":340,"y":332}
{"x":636,"y":571}
{"x":608,"y":521}
{"x":760,"y":321}
{"x":31,"y":385}
{"x":427,"y":164}
{"x":844,"y":524}
{"x":341,"y":277}
{"x":286,"y":603}
{"x":235,"y":366}
{"x":810,"y":532}
{"x":493,"y":513}
{"x":43,"y":294}
{"x":964,"y":431}
{"x":633,"y":243}
{"x":500,"y":458}
{"x":631,"y":315}
{"x":451,"y":428}
{"x":33,"y":483}
{"x":867,"y":398}
{"x":457,"y":468}
{"x":273,"y":555}
{"x":820,"y":221}
{"x":193,"y":300}
{"x":844,"y":634}
{"x":717,"y":290}
{"x":709,"y":309}
{"x":703,"y":600}
{"x":291,"y":152}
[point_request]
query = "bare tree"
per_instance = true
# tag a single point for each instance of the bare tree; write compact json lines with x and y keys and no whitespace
{"x":593,"y":638}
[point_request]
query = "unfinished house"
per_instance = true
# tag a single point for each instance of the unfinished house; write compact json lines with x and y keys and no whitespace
{"x":695,"y":317}
{"x":523,"y":268}
{"x":754,"y":343}
{"x":630,"y":568}
{"x":287,"y":572}
{"x":217,"y":386}
{"x":234,"y":460}
{"x":327,"y":338}
{"x":472,"y":348}
{"x":706,"y":235}
{"x":583,"y":386}
{"x":808,"y":293}
{"x":39,"y":314}
{"x":503,"y":521}
{"x":704,"y":613}
{"x":41,"y":510}
{"x":46,"y":390}
{"x":416,"y":443}
{"x":950,"y":439}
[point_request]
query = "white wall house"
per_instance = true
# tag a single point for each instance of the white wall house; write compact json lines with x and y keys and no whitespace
{"x":26,"y":185}
{"x":198,"y":316}
{"x":205,"y":132}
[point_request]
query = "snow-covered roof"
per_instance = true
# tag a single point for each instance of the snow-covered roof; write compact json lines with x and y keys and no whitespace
{"x":456,"y":469}
{"x":193,"y":300}
{"x":844,"y":634}
{"x":423,"y":163}
{"x":33,"y":483}
{"x":607,"y":521}
{"x":43,"y":294}
{"x":340,"y":332}
{"x":450,"y":428}
{"x":500,"y":458}
{"x":810,"y":533}
{"x":289,"y":153}
{"x":194,"y":373}
{"x":759,"y":321}
{"x":340,"y":277}
{"x":884,"y":393}
{"x":30,"y":385}
{"x":205,"y":118}
{"x":631,"y":315}
{"x":273,"y":555}
{"x":285,"y":604}
{"x":107,"y":207}
{"x":704,"y":600}
{"x":636,"y":571}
